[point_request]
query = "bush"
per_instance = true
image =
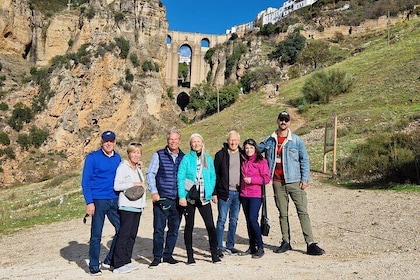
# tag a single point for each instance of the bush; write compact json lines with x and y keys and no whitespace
{"x":288,"y":49}
{"x":4,"y":138}
{"x":150,"y":66}
{"x":254,"y":79}
{"x":231,"y":60}
{"x":293,"y":72}
{"x":134,"y":59}
{"x":24,"y":141}
{"x":123,"y":45}
{"x":128,"y":76}
{"x":20,"y":114}
{"x":4,"y":106}
{"x":38,"y":136}
{"x":204,"y":97}
{"x":322,"y":85}
{"x":383,"y":157}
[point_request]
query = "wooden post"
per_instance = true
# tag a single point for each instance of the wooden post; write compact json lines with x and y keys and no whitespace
{"x":330,"y":143}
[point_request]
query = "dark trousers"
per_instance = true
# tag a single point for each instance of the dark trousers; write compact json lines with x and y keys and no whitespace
{"x":165,"y":213}
{"x":251,"y":207}
{"x":207,"y":215}
{"x":129,"y":226}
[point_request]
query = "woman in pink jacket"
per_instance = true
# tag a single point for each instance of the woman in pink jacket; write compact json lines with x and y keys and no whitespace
{"x":255,"y":174}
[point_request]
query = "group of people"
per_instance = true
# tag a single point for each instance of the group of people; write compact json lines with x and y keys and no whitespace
{"x":180,"y":184}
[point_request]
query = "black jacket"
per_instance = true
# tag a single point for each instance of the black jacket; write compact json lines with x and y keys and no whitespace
{"x":221,"y":165}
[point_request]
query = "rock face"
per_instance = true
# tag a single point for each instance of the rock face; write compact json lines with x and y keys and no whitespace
{"x":103,"y":86}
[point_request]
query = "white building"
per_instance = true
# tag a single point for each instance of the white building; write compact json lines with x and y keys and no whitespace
{"x":288,"y":7}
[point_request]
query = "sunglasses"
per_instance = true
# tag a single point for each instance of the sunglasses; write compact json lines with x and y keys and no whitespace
{"x":161,"y":205}
{"x":250,"y":142}
{"x":283,"y":120}
{"x":135,"y":144}
{"x":84,"y":218}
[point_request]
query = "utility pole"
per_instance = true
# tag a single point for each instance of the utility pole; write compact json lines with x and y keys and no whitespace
{"x":388,"y":24}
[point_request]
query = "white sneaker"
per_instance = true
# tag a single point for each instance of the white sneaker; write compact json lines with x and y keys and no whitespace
{"x":121,"y":270}
{"x":105,"y":265}
{"x":132,"y":266}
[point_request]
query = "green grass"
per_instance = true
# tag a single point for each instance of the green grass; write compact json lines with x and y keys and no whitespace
{"x":385,"y":98}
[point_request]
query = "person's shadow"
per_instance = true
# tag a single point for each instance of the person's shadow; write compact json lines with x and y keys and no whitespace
{"x":76,"y":252}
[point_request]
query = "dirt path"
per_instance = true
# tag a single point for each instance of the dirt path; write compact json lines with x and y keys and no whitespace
{"x":366,"y":235}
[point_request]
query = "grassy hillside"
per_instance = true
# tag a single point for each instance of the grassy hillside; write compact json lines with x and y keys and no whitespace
{"x":385,"y":98}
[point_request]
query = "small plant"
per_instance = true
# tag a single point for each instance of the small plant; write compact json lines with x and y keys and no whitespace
{"x":128,"y":76}
{"x":4,"y":106}
{"x":134,"y":59}
{"x":4,"y":138}
{"x":170,"y":92}
{"x":123,"y":45}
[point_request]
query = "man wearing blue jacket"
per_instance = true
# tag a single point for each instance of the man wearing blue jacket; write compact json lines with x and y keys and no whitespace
{"x":101,"y":200}
{"x":288,"y":161}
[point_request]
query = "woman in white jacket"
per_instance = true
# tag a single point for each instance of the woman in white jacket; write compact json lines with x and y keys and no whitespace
{"x":128,"y":174}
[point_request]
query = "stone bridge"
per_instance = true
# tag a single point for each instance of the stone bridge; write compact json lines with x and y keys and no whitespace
{"x":198,"y":43}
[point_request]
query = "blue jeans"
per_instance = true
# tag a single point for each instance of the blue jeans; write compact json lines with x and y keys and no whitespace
{"x":232,"y":205}
{"x":165,"y":212}
{"x":251,"y":207}
{"x":109,"y":208}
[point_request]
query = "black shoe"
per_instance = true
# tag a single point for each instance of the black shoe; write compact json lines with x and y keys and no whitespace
{"x":170,"y":260}
{"x":285,"y":246}
{"x":234,"y":251}
{"x":191,"y":261}
{"x":216,"y":260}
{"x":154,"y":263}
{"x":314,"y":250}
{"x":95,"y":271}
{"x":258,"y":254}
{"x":249,"y":251}
{"x":220,"y":253}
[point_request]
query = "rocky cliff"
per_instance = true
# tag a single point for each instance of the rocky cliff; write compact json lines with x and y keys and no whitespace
{"x":94,"y":55}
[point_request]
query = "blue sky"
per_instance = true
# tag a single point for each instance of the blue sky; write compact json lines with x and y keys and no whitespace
{"x":214,"y":16}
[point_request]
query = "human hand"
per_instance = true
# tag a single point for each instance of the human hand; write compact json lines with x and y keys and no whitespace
{"x":214,"y":199}
{"x":247,"y":180}
{"x":90,"y":209}
{"x":155,"y":197}
{"x":303,"y":185}
{"x":183,"y":202}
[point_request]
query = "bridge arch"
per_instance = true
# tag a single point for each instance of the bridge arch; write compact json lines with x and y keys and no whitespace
{"x":199,"y":44}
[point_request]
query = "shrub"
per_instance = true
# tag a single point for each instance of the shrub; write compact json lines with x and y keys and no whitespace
{"x":4,"y":106}
{"x":170,"y":92}
{"x":24,"y":141}
{"x":20,"y":114}
{"x":134,"y":59}
{"x":293,"y":72}
{"x":254,"y":79}
{"x":9,"y":153}
{"x":288,"y":49}
{"x":322,"y":85}
{"x":128,"y":76}
{"x":384,"y":157}
{"x":38,"y":136}
{"x":4,"y":138}
{"x":2,"y":79}
{"x":90,"y":13}
{"x":123,"y":45}
{"x":231,"y":60}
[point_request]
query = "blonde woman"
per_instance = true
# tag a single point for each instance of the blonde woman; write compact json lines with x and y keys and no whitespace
{"x":129,"y":174}
{"x":198,"y":167}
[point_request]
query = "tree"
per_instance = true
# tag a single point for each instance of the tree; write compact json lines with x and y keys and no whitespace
{"x":315,"y":53}
{"x":288,"y":49}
